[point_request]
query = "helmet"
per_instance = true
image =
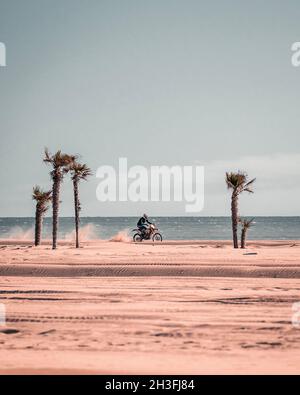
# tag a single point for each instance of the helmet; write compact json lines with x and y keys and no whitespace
{"x":145,"y":216}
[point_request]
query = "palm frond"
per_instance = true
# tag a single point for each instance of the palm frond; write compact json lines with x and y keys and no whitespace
{"x":79,"y":171}
{"x":250,"y":182}
{"x":59,"y":161}
{"x":247,"y":186}
{"x":48,"y":156}
{"x":229,"y":181}
{"x":40,"y":196}
{"x":238,"y":181}
{"x":247,"y":223}
{"x":235,"y":180}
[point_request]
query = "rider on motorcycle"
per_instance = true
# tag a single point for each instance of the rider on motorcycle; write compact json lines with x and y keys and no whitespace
{"x":143,"y":224}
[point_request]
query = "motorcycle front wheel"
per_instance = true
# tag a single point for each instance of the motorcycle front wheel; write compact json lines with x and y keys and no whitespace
{"x":137,"y":238}
{"x":157,"y":237}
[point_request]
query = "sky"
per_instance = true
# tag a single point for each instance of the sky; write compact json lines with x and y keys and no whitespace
{"x":160,"y":82}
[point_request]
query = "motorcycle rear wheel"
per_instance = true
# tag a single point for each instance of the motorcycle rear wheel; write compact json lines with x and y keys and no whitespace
{"x":137,"y":238}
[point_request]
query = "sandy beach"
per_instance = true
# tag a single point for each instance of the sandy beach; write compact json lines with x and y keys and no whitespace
{"x":149,"y":206}
{"x":177,"y":307}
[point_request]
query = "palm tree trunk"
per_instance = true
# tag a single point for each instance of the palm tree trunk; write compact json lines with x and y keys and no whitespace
{"x":243,"y":238}
{"x":234,"y":218}
{"x":55,"y":207}
{"x":38,"y":226}
{"x":76,"y":204}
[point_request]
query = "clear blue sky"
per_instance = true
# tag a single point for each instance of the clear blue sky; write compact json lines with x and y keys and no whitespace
{"x":159,"y":82}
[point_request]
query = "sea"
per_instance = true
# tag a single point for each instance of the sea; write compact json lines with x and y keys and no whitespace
{"x":172,"y":228}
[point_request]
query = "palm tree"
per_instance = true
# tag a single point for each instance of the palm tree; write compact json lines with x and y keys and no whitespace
{"x":239,"y":183}
{"x":59,"y":163}
{"x":42,"y":198}
{"x":78,"y":172}
{"x":246,"y":224}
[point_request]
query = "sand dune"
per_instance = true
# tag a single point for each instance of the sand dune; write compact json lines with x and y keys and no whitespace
{"x":177,"y":307}
{"x":172,"y":258}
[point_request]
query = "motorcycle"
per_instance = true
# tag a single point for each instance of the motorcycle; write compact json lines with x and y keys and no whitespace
{"x":151,"y":233}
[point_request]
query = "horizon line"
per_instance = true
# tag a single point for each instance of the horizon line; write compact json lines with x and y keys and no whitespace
{"x":163,"y":216}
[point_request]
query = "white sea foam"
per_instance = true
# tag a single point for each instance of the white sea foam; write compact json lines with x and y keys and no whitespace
{"x":86,"y":232}
{"x":18,"y":233}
